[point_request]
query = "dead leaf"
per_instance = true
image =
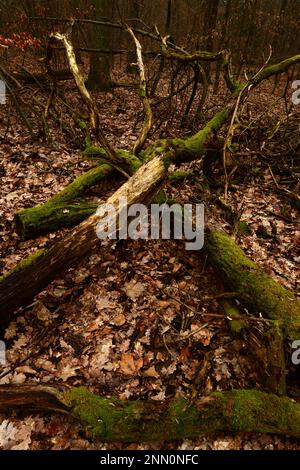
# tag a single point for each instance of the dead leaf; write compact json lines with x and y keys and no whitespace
{"x":67,"y":371}
{"x":134,"y":289}
{"x":41,"y":312}
{"x":11,"y":330}
{"x":18,"y":378}
{"x":26,"y":370}
{"x":151,"y":372}
{"x":164,"y":303}
{"x":119,"y":319}
{"x":203,"y":335}
{"x":130,"y":366}
{"x":7,"y":433}
{"x":103,"y":303}
{"x":93,"y":327}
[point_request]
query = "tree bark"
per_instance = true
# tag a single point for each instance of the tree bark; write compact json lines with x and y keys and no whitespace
{"x":62,"y":209}
{"x":99,"y":73}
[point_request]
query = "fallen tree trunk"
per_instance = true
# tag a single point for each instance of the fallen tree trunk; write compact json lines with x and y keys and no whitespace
{"x":255,"y":289}
{"x":49,"y":217}
{"x":31,"y":222}
{"x":21,"y":284}
{"x":143,"y":421}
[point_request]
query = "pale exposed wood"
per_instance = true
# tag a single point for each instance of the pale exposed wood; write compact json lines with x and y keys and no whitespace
{"x":143,"y":92}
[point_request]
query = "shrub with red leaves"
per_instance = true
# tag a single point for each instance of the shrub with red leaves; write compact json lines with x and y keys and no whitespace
{"x":21,"y":41}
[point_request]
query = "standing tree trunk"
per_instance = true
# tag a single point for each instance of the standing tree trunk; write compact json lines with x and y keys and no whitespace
{"x":224,"y":42}
{"x":210,"y":21}
{"x":99,"y":73}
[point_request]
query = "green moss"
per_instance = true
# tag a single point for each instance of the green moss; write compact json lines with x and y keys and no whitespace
{"x":179,"y":175}
{"x":237,"y":324}
{"x":160,"y":198}
{"x":50,"y":217}
{"x":196,"y":144}
{"x":253,"y":410}
{"x":255,"y":288}
{"x":157,"y":149}
{"x":183,"y":150}
{"x":242,"y":227}
{"x":142,"y":93}
{"x":81,"y":183}
{"x":24,"y":263}
{"x":132,"y":160}
{"x":82,"y":125}
{"x":113,"y":419}
{"x":129,"y":421}
{"x":236,"y":87}
{"x":129,"y":158}
{"x":142,"y":421}
{"x":28,"y":219}
{"x":93,"y":151}
{"x":275,"y":69}
{"x":98,"y":415}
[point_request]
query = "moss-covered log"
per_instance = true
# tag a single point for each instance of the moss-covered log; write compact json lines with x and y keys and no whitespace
{"x":256,"y":290}
{"x":28,"y":278}
{"x":62,"y":209}
{"x":31,"y":222}
{"x":45,"y":218}
{"x":21,"y":284}
{"x":111,"y":419}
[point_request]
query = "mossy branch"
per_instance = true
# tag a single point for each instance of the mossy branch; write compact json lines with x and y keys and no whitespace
{"x":111,"y":419}
{"x":63,"y":209}
{"x":256,"y":289}
{"x":33,"y":221}
{"x":45,"y":218}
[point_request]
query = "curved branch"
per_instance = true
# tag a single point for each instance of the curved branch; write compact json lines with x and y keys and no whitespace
{"x":143,"y":94}
{"x":187,"y":57}
{"x":113,"y":158}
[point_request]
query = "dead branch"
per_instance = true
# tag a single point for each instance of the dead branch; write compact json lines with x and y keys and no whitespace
{"x":113,"y":158}
{"x":143,"y":94}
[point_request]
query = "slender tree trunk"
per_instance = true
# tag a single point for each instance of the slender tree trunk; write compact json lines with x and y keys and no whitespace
{"x":210,"y":21}
{"x":99,"y":73}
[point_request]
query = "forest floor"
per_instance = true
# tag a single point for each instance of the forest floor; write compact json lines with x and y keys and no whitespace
{"x":129,"y":320}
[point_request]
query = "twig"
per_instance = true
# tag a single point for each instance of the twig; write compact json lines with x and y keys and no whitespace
{"x":228,"y":138}
{"x":220,"y":315}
